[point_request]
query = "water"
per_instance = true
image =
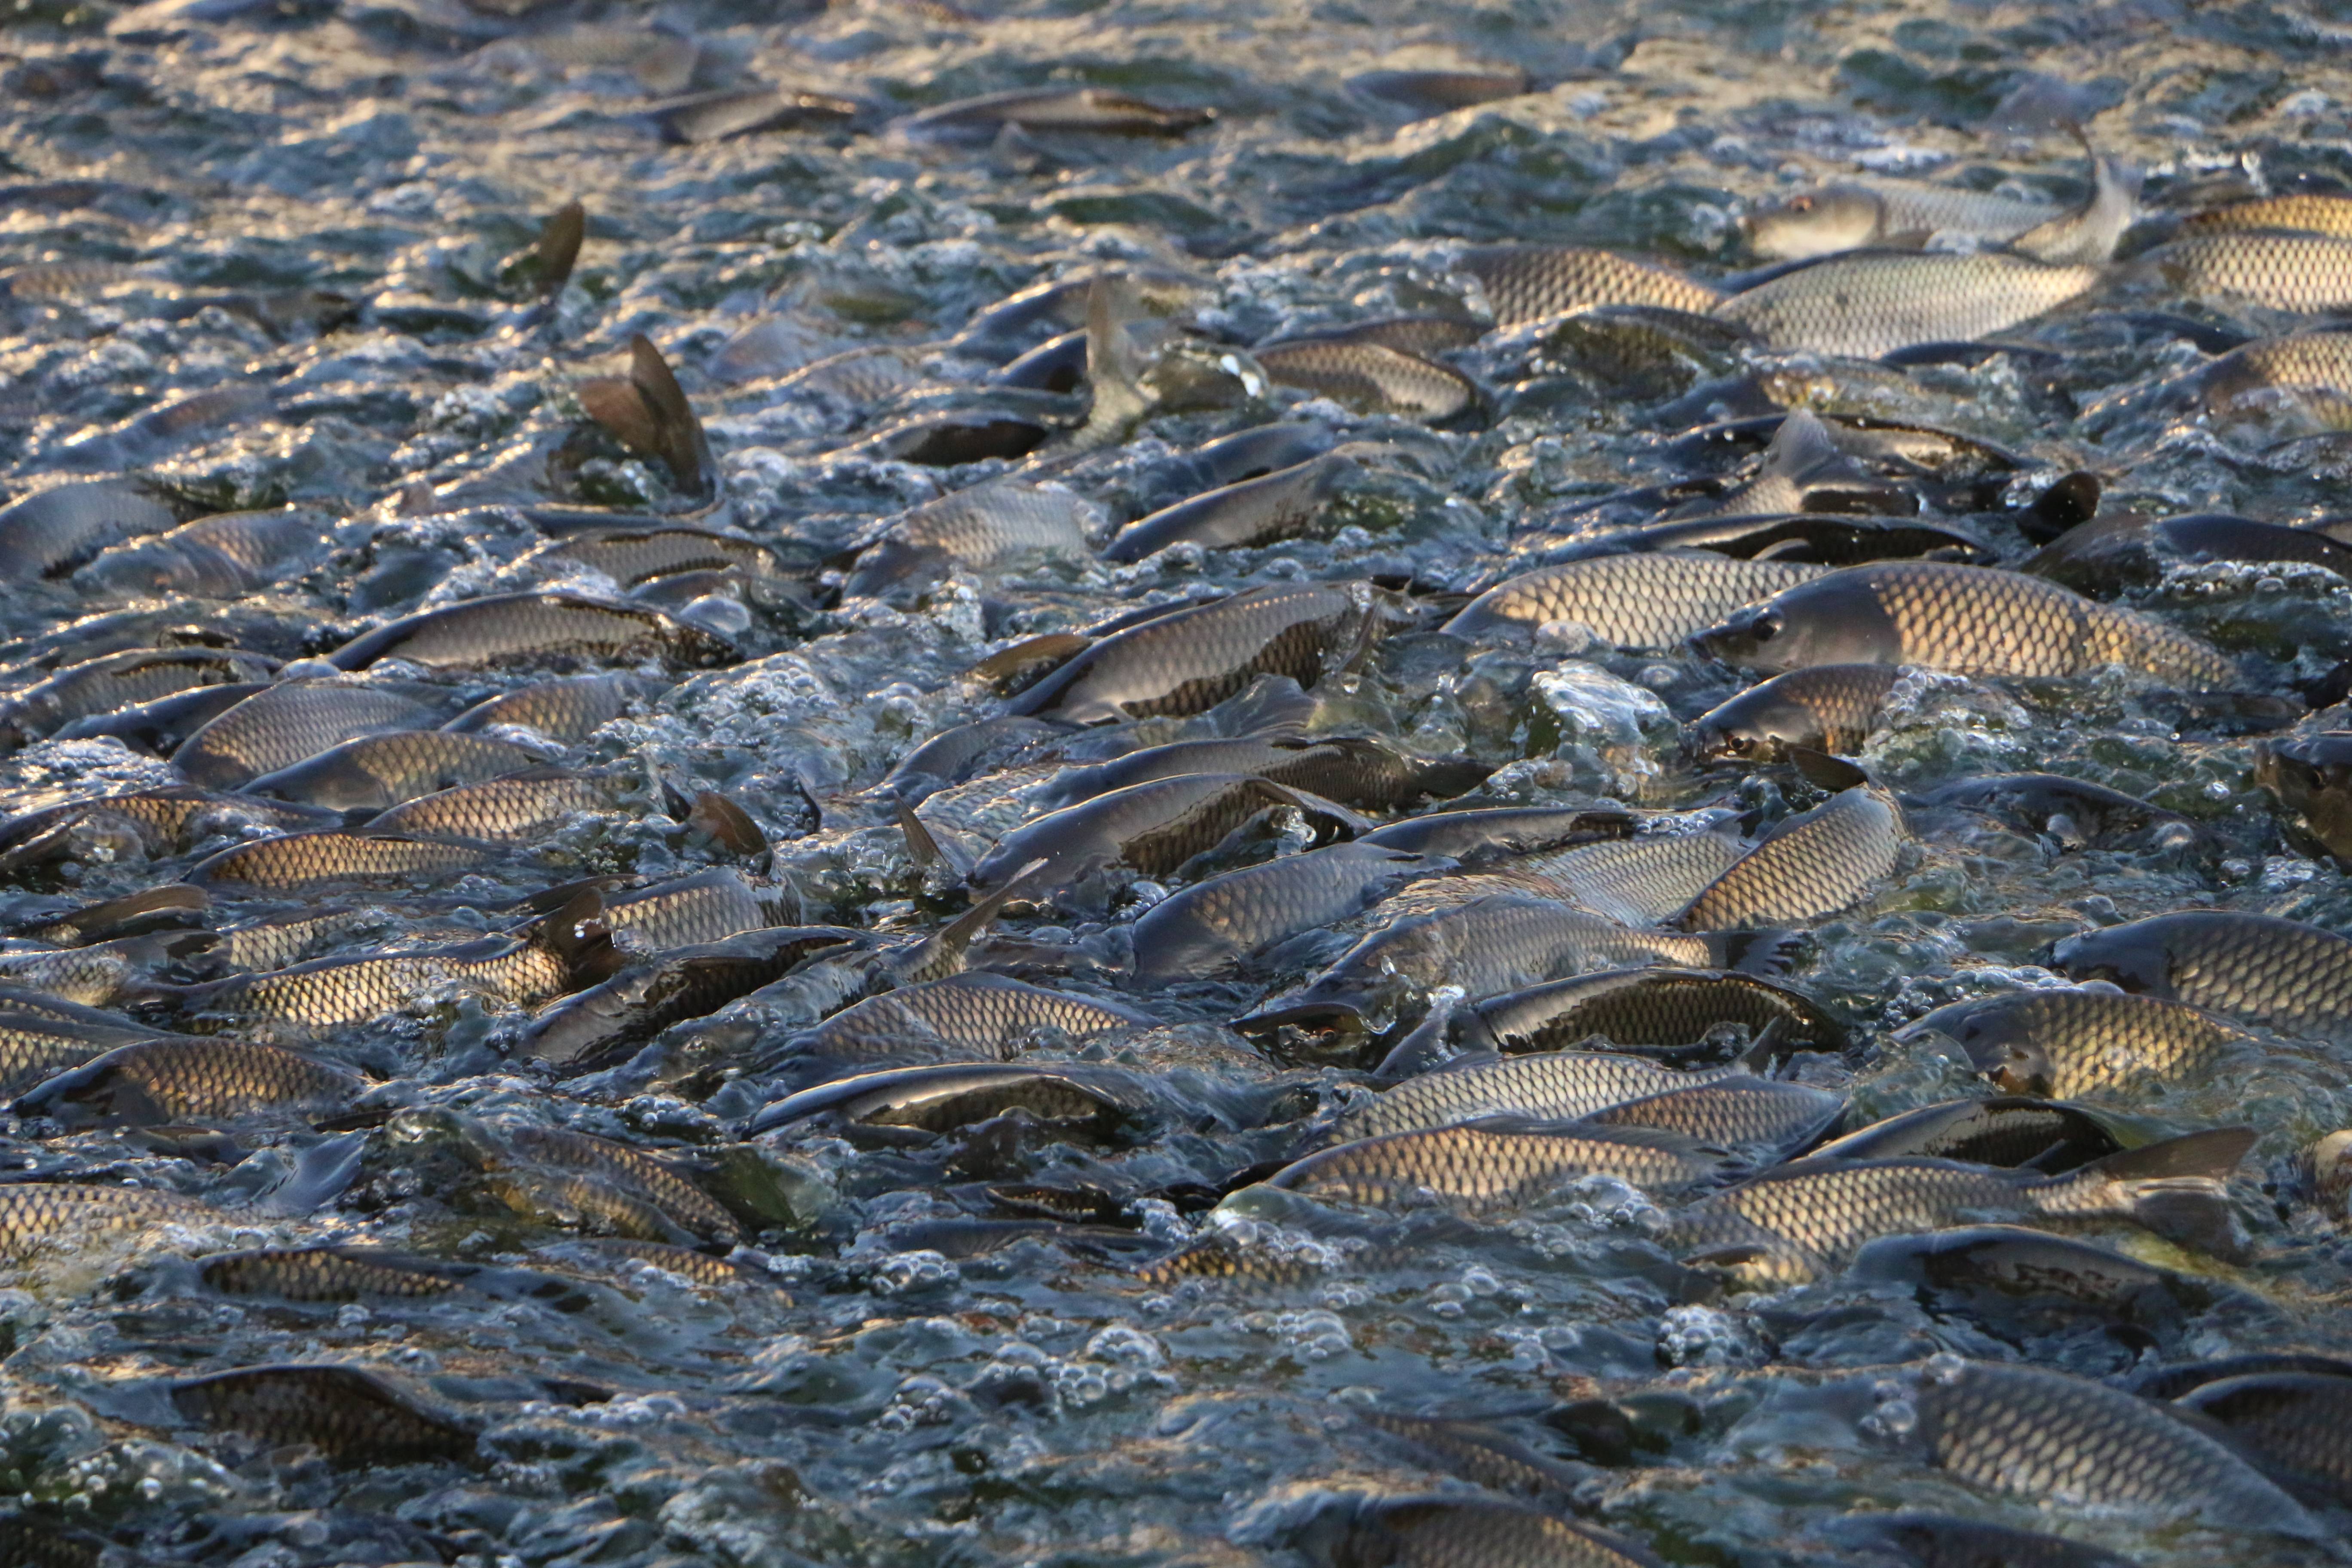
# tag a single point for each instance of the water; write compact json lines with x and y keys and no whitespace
{"x":309,"y":202}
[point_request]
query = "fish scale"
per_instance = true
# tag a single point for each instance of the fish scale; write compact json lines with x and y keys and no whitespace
{"x":1556,"y":1086}
{"x":330,"y":991}
{"x":2067,"y":1043}
{"x":1649,"y":1007}
{"x":978,"y":1014}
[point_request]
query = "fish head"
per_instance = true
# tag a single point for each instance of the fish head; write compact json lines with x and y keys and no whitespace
{"x":1822,"y":622}
{"x":1837,"y":218}
{"x":1999,"y":1040}
{"x":2134,"y":961}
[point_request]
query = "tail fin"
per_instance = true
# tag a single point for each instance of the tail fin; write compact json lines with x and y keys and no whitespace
{"x":1764,"y":1054}
{"x":1802,"y":445}
{"x":2087,"y":235}
{"x":941,"y":953}
{"x":1754,"y":952}
{"x":171,"y":905}
{"x":559,"y":248}
{"x":923,"y":846}
{"x":2214,"y":1154}
{"x":726,"y":824}
{"x":1120,"y":399}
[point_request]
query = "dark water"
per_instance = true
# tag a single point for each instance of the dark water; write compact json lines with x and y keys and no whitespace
{"x":311,"y":201}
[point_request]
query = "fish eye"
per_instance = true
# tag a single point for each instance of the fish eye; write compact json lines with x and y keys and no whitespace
{"x":1765,"y":627}
{"x":1800,"y":203}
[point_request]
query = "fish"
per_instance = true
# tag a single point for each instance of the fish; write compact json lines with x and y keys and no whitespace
{"x":2007,"y":1130}
{"x":160,"y":727}
{"x":656,"y":1181}
{"x":223,"y":556}
{"x":327,"y":992}
{"x":1871,"y":303}
{"x":1438,"y":1530}
{"x":545,"y":265}
{"x":287,"y":724}
{"x":1489,"y":945}
{"x":2307,"y":211}
{"x":1151,"y":829}
{"x":505,"y":630}
{"x":1550,"y":1086}
{"x":51,"y":531}
{"x":118,"y":680}
{"x":1644,"y":1009}
{"x":1530,"y":282}
{"x":987,"y":529}
{"x":50,"y":1217}
{"x":210,"y":1082}
{"x":353,"y":1416}
{"x":1855,"y":214}
{"x":1945,"y":1540}
{"x":2258,"y":969}
{"x":1639,"y":881}
{"x":747,"y":110}
{"x":2046,"y":1435}
{"x":1988,"y":1268}
{"x":2302,"y":273}
{"x":569,"y":711}
{"x":633,"y":556}
{"x":297,"y":862}
{"x":648,"y":412}
{"x":2302,"y":381}
{"x":1814,"y":864}
{"x":685,"y":911}
{"x":1802,"y":1220}
{"x":1373,"y":377}
{"x":1763,"y":1119}
{"x":1199,"y":931}
{"x":1263,"y":510}
{"x":2067,"y":1043}
{"x":2308,"y":775}
{"x":511,"y":810}
{"x":2290,"y":1424}
{"x":1360,"y":771}
{"x":1654,"y":600}
{"x":1477,"y":834}
{"x":602,"y":1025}
{"x":1436,"y":92}
{"x":1940,"y":615}
{"x":979,"y":1017}
{"x":2077,"y":811}
{"x":1194,"y":657}
{"x":372,"y":773}
{"x":155,"y":821}
{"x":1829,"y":708}
{"x":1496,"y":1162}
{"x":1087,"y":109}
{"x":944,"y":1098}
{"x":333,"y":1274}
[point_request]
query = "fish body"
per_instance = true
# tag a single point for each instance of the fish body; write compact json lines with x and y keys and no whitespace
{"x":287,"y":724}
{"x":2283,"y":975}
{"x":508,"y":810}
{"x":2299,"y":273}
{"x":328,"y":992}
{"x":1811,"y":864}
{"x":1261,"y":510}
{"x":1190,"y":659}
{"x":978,"y":1017}
{"x":569,"y":711}
{"x":1373,"y":377}
{"x":51,"y":531}
{"x":1495,"y":1162}
{"x":2070,"y":1043}
{"x":1969,"y":620}
{"x":1656,"y":599}
{"x":987,"y":529}
{"x":1357,"y":770}
{"x":1875,"y":302}
{"x":1530,"y":283}
{"x":1801,"y":1220}
{"x":2054,"y":1438}
{"x":223,"y":556}
{"x":1200,"y":931}
{"x":1550,"y":1085}
{"x":293,"y":862}
{"x":1824,"y":708}
{"x":1651,"y":1008}
{"x":598,"y":1026}
{"x":350,"y":1414}
{"x":372,"y":773}
{"x":121,"y":680}
{"x":203,"y":1081}
{"x":332,"y":1274}
{"x":505,"y":630}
